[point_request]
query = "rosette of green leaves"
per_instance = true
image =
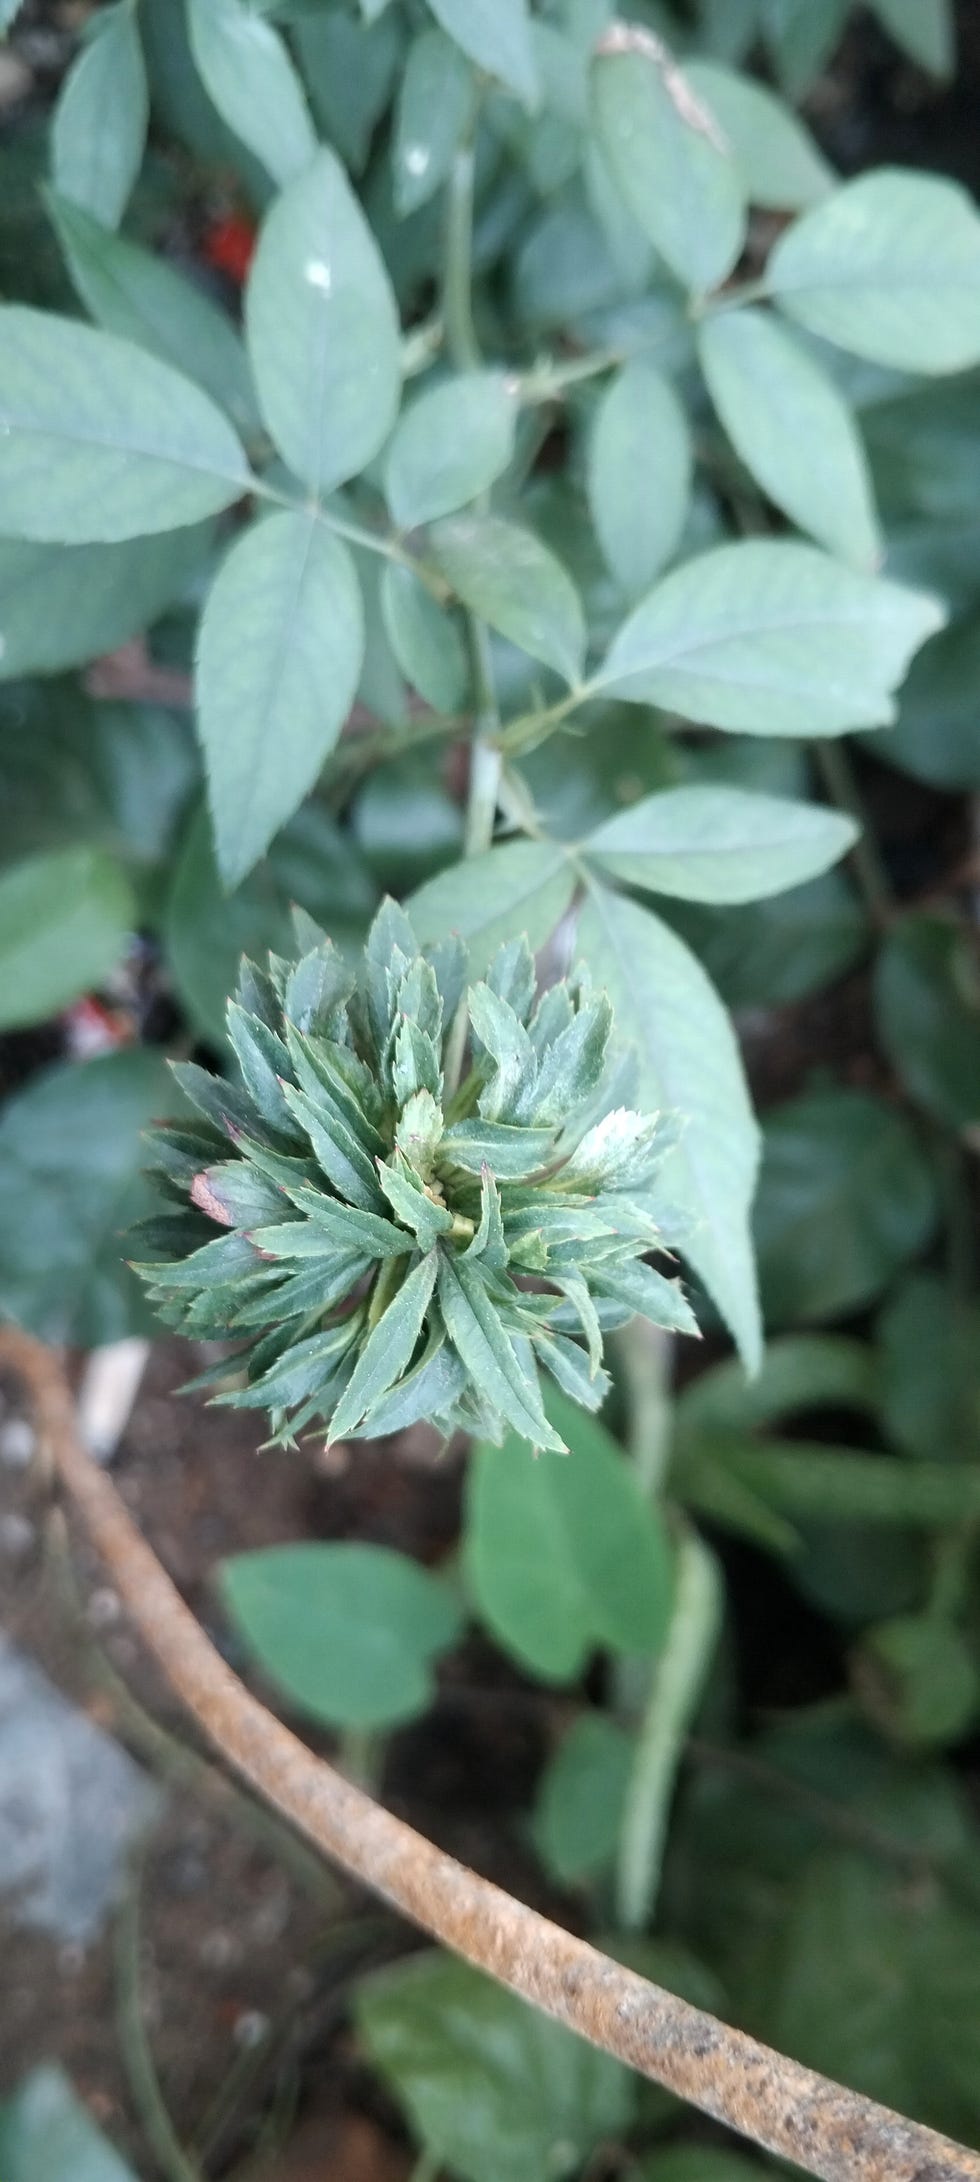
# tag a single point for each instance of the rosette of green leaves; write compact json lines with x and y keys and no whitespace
{"x":391,"y":1249}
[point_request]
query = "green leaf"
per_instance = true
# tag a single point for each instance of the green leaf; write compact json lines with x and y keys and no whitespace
{"x":479,"y":1336}
{"x":449,"y":446}
{"x":207,"y":930}
{"x":770,"y":639}
{"x":71,"y":1151}
{"x":47,"y":2135}
{"x":62,"y":605}
{"x":348,"y":1632}
{"x":935,"y":737}
{"x":432,"y":111}
{"x":515,"y":583}
{"x":781,"y":167}
{"x":137,"y":295}
{"x":427,"y":643}
{"x":246,"y":70}
{"x":639,"y":474}
{"x":926,"y":29}
{"x":814,"y":1482}
{"x":523,"y":887}
{"x":350,"y":68}
{"x":802,"y":35}
{"x":578,"y":1808}
{"x":770,"y":954}
{"x":928,"y":1359}
{"x":888,"y":267}
{"x":99,"y":441}
{"x":927,"y":1010}
{"x":915,"y":1678}
{"x":719,"y":844}
{"x":496,"y":34}
{"x":64,"y":921}
{"x":565,"y":1554}
{"x":845,"y":1200}
{"x":668,"y":156}
{"x":389,"y":1348}
{"x":795,"y":434}
{"x":798,"y":1372}
{"x":98,"y":129}
{"x":280,"y":652}
{"x":877,"y":1984}
{"x":689,"y":1064}
{"x":323,"y":329}
{"x":492,"y":2087}
{"x":697,"y":2163}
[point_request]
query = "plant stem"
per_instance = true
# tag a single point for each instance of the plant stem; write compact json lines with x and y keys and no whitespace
{"x":645,"y":1353}
{"x":457,"y":289}
{"x":486,"y":755}
{"x":138,"y":2059}
{"x":678,"y":1677}
{"x":833,"y":763}
{"x":359,"y":534}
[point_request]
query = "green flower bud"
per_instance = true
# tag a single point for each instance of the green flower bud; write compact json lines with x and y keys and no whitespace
{"x":389,"y":1249}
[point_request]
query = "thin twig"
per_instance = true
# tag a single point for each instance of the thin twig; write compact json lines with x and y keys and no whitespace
{"x":137,"y":2054}
{"x":831,"y":2132}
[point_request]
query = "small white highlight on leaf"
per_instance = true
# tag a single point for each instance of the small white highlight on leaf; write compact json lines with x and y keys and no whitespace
{"x":319,"y":275}
{"x":417,"y":158}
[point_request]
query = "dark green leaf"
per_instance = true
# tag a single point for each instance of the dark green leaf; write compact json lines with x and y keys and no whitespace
{"x":579,"y":1804}
{"x":70,"y":1153}
{"x":496,"y":34}
{"x":60,"y":605}
{"x":137,"y":295}
{"x":100,"y":441}
{"x":433,"y":107}
{"x":350,"y":67}
{"x":323,"y":329}
{"x":927,"y":1007}
{"x":515,"y":583}
{"x":565,"y":1554}
{"x":929,"y":1365}
{"x":280,"y":652}
{"x":426,"y":641}
{"x":492,"y":2087}
{"x":98,"y":129}
{"x":845,"y":1199}
{"x":64,"y":921}
{"x":936,"y":737}
{"x":925,"y":28}
{"x":247,"y":71}
{"x":771,"y":953}
{"x":348,"y":1632}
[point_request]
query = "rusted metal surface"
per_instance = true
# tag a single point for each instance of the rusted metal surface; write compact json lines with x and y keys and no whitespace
{"x":789,"y":2110}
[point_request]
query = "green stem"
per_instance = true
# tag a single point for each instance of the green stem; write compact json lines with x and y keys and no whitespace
{"x":731,"y":299}
{"x":677,"y":1682}
{"x":384,"y":543}
{"x":833,"y":763}
{"x":137,"y":2057}
{"x":457,"y":289}
{"x":645,"y":1354}
{"x":486,"y":757}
